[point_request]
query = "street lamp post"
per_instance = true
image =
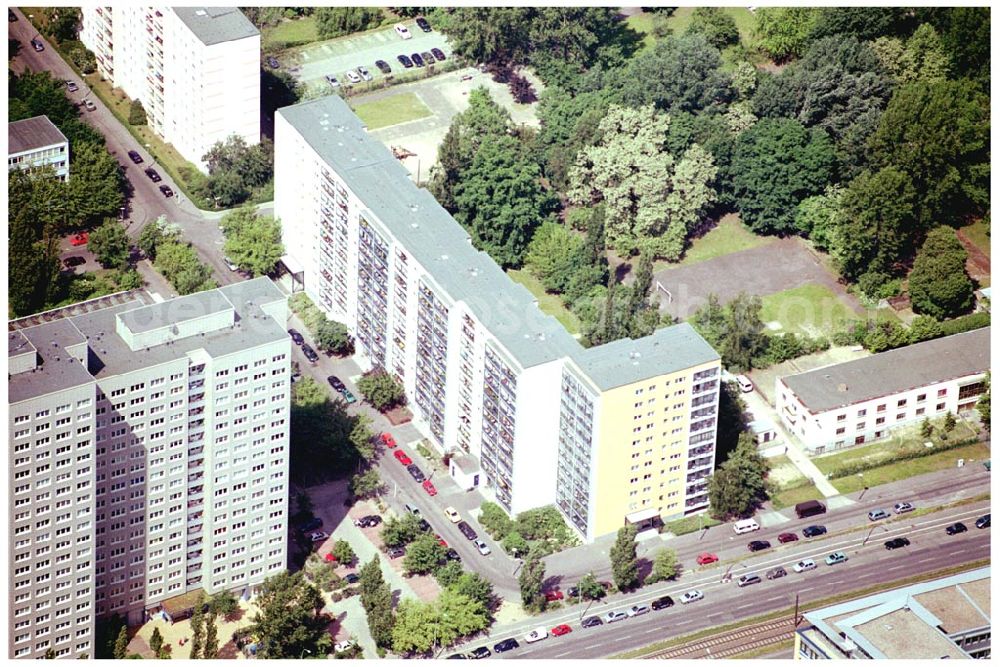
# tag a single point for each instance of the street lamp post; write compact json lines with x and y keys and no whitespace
{"x":304,"y":651}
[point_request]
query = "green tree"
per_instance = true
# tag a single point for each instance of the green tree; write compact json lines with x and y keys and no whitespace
{"x":96,"y":183}
{"x":474,"y":586}
{"x":530,"y":581}
{"x":110,"y":244}
{"x":983,"y":405}
{"x":552,"y":255}
{"x":965,"y":35}
{"x":569,"y":122}
{"x":886,"y":335}
{"x":290,"y":619}
{"x":496,"y":522}
{"x":382,"y":390}
{"x":448,"y":574}
{"x":121,"y":644}
{"x":423,"y":555}
{"x":816,"y":216}
{"x":739,"y":485}
{"x":717,"y":26}
{"x":514,"y":543}
{"x":949,"y":422}
{"x":336,"y":21}
{"x":136,"y":114}
{"x":34,"y":214}
{"x":252,"y":242}
{"x":235,"y":169}
{"x":397,"y":532}
{"x":422,"y":625}
{"x":156,"y":641}
{"x":926,"y":428}
{"x":590,"y":588}
{"x":939,"y":285}
{"x":665,"y":566}
{"x":768,"y":189}
{"x":624,"y":563}
{"x":62,"y":22}
{"x":376,"y":598}
{"x":937,"y":132}
{"x":738,"y":332}
{"x":223,"y":603}
{"x":211,"y":649}
{"x":925,"y":327}
{"x":151,"y":236}
{"x":590,"y":262}
{"x":651,"y":200}
{"x":366,"y":484}
{"x":197,"y":628}
{"x":343,"y":552}
{"x":784,"y":31}
{"x":921,"y":58}
{"x":500,"y":200}
{"x":179,"y":263}
{"x":864,"y":23}
{"x":331,"y":336}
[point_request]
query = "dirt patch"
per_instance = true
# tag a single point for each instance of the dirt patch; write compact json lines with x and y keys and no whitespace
{"x":978,"y":264}
{"x":398,"y":416}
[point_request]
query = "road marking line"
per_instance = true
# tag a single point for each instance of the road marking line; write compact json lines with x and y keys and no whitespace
{"x":803,"y":590}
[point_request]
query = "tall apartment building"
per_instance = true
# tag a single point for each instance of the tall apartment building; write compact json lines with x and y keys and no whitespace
{"x":620,"y":432}
{"x":148,"y":458}
{"x":36,"y":142}
{"x":196,"y":70}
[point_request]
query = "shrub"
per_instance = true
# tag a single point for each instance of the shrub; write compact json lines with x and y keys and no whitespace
{"x":965,"y":323}
{"x":382,"y":390}
{"x":136,"y":114}
{"x":496,"y":522}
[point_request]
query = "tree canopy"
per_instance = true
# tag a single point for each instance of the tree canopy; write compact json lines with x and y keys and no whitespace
{"x":939,"y":285}
{"x":739,"y":485}
{"x":110,"y":244}
{"x":290,"y":620}
{"x":253,"y":242}
{"x":624,"y":563}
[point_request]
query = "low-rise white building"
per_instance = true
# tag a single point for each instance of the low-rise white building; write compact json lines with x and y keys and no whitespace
{"x":33,"y":143}
{"x":860,"y":401}
{"x":196,"y":70}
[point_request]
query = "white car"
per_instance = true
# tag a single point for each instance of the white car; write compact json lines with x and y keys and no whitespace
{"x":805,"y":565}
{"x":353,"y":76}
{"x":403,"y":31}
{"x":746,"y":386}
{"x":452,"y":514}
{"x":318,"y":536}
{"x":615,"y":616}
{"x":340,"y":647}
{"x":637,"y":610}
{"x":365,"y":74}
{"x":692,"y":596}
{"x":901,"y":508}
{"x":484,"y":548}
{"x":232,"y":265}
{"x":536,"y":635}
{"x":332,"y":80}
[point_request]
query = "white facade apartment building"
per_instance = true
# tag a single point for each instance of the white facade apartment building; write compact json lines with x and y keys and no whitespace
{"x":482,"y":366}
{"x":196,"y":70}
{"x":861,"y":401}
{"x":149,"y":458}
{"x":35,"y":142}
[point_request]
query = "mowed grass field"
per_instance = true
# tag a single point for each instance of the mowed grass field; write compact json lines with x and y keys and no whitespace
{"x":296,"y":31}
{"x":391,"y":110}
{"x":728,"y":236}
{"x":809,"y":309}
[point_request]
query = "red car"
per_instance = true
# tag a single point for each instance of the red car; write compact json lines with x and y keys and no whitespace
{"x":388,"y":440}
{"x":79,"y":239}
{"x":441,"y":541}
{"x":561,"y":630}
{"x":552,"y":596}
{"x":788,"y":537}
{"x":330,"y":558}
{"x":706,"y":558}
{"x":429,"y":488}
{"x":402,"y":457}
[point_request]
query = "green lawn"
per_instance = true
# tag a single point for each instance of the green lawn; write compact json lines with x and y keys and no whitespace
{"x":290,"y":33}
{"x":550,"y":304}
{"x":977,"y":234}
{"x":808,"y":309}
{"x":973,"y":454}
{"x":728,"y":236}
{"x":391,"y":110}
{"x":681,"y":19}
{"x":795,"y":495}
{"x":690,"y":524}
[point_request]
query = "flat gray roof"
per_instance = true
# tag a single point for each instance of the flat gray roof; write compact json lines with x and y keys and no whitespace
{"x":214,"y":25}
{"x":31,"y":134}
{"x":56,"y":370}
{"x":894,"y":371}
{"x":443,"y":247}
{"x":172,"y":311}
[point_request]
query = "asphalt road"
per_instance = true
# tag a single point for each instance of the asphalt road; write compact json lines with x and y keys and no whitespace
{"x":146,"y":202}
{"x":869,"y":563}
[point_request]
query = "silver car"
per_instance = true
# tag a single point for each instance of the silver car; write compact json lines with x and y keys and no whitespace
{"x":484,"y":548}
{"x":365,"y":74}
{"x":332,"y":80}
{"x":353,"y":76}
{"x":692,"y":596}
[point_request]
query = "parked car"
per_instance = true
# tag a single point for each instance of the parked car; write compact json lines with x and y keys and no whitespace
{"x":348,"y":396}
{"x":402,"y":31}
{"x":591,"y":621}
{"x":662,"y":603}
{"x":309,"y":353}
{"x":759,"y":545}
{"x":877,"y":515}
{"x":423,"y":525}
{"x":451,"y":554}
{"x":901,"y":508}
{"x":745,"y":385}
{"x":369,"y":521}
{"x":561,"y":630}
{"x":956,"y":528}
{"x":417,"y":60}
{"x":506,"y":645}
{"x":311,"y":525}
{"x":430,"y":488}
{"x":748,"y":580}
{"x":836,"y":557}
{"x":37,"y":45}
{"x":72,"y":87}
{"x":230,"y":264}
{"x":467,"y":530}
{"x":79,"y":239}
{"x":352,"y":578}
{"x":90,"y":105}
{"x":787,"y":537}
{"x":416,"y":473}
{"x":479,"y":653}
{"x":692,"y":596}
{"x":805,"y":565}
{"x":296,"y":337}
{"x":396,"y":552}
{"x":336,"y":383}
{"x":272,"y":62}
{"x":405,"y":61}
{"x":615,"y":616}
{"x":332,"y":80}
{"x":412,"y":509}
{"x":896,"y":543}
{"x":383,"y":66}
{"x":428,"y":58}
{"x":402,"y":457}
{"x":776,"y":573}
{"x":353,"y":76}
{"x":452,"y":514}
{"x":365,"y":74}
{"x":484,"y":548}
{"x":813,"y":531}
{"x":318,"y":536}
{"x":135,"y":157}
{"x":423,"y":24}
{"x":73,"y":261}
{"x":438,"y":53}
{"x":637,"y":610}
{"x":536,"y":635}
{"x":706,"y":558}
{"x":983,"y":521}
{"x":388,"y":440}
{"x":553,"y":595}
{"x":166,"y":191}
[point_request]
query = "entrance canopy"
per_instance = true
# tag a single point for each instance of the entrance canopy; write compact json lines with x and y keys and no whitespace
{"x":642,"y":516}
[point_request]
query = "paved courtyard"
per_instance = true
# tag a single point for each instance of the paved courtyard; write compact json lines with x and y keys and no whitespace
{"x":768,"y":269}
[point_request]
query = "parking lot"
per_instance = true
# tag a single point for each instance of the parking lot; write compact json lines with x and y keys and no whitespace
{"x":313,"y":62}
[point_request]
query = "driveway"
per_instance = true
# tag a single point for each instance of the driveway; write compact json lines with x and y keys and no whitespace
{"x":768,"y":269}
